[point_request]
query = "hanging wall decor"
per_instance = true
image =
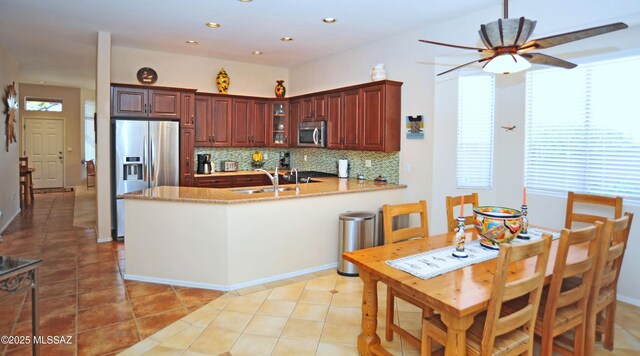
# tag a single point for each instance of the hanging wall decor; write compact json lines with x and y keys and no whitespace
{"x":415,"y":127}
{"x":10,"y":100}
{"x":223,"y":81}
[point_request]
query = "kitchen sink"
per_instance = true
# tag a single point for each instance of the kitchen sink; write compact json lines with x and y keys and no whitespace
{"x":260,"y":190}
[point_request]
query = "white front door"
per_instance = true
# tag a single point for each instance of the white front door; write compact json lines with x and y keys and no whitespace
{"x":44,"y":147}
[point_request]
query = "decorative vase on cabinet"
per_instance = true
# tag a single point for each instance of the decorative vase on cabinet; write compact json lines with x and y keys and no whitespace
{"x":378,"y":72}
{"x":280,"y":90}
{"x":223,"y":81}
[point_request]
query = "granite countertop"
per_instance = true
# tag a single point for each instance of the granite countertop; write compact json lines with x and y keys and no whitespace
{"x":323,"y":186}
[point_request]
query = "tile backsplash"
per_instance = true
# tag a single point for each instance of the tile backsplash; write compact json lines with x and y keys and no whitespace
{"x":318,"y":159}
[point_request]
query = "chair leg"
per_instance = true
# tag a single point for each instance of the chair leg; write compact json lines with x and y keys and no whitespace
{"x":546,"y":343}
{"x":609,"y":326}
{"x":590,"y":333}
{"x":390,"y":314}
{"x":578,"y":342}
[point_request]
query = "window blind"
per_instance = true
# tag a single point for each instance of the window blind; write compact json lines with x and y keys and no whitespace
{"x":474,"y":163}
{"x":583,"y":129}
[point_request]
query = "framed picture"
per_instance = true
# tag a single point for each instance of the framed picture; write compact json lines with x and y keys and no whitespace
{"x":415,"y":127}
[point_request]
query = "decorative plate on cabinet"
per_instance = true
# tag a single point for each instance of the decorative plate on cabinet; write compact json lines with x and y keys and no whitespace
{"x":146,"y":75}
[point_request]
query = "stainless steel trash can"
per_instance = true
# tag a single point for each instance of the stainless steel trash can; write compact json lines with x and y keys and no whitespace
{"x":357,"y":231}
{"x":399,"y":222}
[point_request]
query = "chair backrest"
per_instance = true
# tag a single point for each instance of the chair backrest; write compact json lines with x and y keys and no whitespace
{"x":390,"y":211}
{"x":91,"y":168}
{"x":578,"y":293}
{"x":24,"y":162}
{"x":452,"y":202}
{"x":612,"y":248}
{"x":571,"y":216}
{"x":508,"y":285}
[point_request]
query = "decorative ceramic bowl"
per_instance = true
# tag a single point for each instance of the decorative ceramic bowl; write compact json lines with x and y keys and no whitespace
{"x":497,"y":224}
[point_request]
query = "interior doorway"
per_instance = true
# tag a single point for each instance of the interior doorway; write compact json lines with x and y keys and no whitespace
{"x":44,"y":143}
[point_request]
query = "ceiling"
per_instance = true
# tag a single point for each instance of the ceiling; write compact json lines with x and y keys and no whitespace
{"x":55,"y":41}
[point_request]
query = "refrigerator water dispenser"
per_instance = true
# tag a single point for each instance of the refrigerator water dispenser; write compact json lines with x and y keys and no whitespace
{"x":132,"y":169}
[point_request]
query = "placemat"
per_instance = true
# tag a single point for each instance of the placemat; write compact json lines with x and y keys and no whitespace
{"x":432,"y":263}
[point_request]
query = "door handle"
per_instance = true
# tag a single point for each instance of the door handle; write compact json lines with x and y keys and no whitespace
{"x":316,"y":135}
{"x":193,"y":119}
{"x":144,"y":159}
{"x":145,"y":108}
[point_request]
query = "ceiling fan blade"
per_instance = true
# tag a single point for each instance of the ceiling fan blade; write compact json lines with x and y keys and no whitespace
{"x":464,"y":65}
{"x":555,"y":40}
{"x":455,"y":46}
{"x":540,"y":58}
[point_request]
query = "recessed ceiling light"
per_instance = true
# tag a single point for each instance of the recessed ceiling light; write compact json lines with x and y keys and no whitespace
{"x":213,"y":24}
{"x":191,"y":42}
{"x":329,"y":20}
{"x":42,"y":82}
{"x":286,"y":39}
{"x":257,"y":52}
{"x":245,"y":0}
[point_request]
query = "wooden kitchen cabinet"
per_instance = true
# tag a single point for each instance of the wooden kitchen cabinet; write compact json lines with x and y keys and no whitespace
{"x":152,"y":103}
{"x":232,"y":181}
{"x":295,"y":113}
{"x":214,"y":182}
{"x":250,"y":119}
{"x":279,"y":125}
{"x":187,"y":166}
{"x":314,"y":108}
{"x":212,"y":121}
{"x":187,"y":117}
{"x":202,"y":121}
{"x":343,"y":119}
{"x":380,"y":109}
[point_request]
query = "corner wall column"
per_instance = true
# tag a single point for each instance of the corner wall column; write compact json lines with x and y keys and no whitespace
{"x":103,"y":153}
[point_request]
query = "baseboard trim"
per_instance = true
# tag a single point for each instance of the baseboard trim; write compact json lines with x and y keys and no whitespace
{"x":629,"y":300}
{"x":104,"y":239}
{"x":227,"y":288}
{"x":9,"y":221}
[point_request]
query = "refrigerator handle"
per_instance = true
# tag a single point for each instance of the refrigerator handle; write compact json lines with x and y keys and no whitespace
{"x":144,"y":159}
{"x":153,"y":165}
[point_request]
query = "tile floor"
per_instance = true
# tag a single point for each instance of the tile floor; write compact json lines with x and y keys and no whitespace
{"x":83,"y":294}
{"x":319,"y":316}
{"x":82,"y":290}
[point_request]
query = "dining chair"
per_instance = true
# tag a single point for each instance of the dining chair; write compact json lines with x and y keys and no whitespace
{"x":564,"y":306}
{"x":605,"y":201}
{"x":401,"y":234}
{"x":491,"y":333}
{"x":24,"y":189}
{"x":602,"y":299}
{"x":91,"y":172}
{"x":452,"y":203}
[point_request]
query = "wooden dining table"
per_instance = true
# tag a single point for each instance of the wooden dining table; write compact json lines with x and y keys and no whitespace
{"x":458,"y":296}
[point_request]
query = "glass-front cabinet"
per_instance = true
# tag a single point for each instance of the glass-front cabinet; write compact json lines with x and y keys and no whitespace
{"x":279,"y":124}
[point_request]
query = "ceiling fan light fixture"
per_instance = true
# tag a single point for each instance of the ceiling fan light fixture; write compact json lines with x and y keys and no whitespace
{"x":506,"y":32}
{"x":507,"y":63}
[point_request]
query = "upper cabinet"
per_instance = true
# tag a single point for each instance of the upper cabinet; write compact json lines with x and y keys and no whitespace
{"x":139,"y":102}
{"x":381,"y":121}
{"x":187,"y":118}
{"x":295,"y":116}
{"x":279,"y":125}
{"x":314,"y":108}
{"x":250,"y":118}
{"x":212,"y":121}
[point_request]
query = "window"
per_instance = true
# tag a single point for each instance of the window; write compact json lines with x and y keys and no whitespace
{"x":40,"y":104}
{"x":89,"y":130}
{"x":475,"y":131}
{"x":583,"y":129}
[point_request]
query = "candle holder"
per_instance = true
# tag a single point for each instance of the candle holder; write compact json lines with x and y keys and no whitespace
{"x":459,"y":250}
{"x":524,"y":233}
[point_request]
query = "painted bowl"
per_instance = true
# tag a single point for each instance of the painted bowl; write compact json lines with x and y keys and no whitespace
{"x":497,"y":224}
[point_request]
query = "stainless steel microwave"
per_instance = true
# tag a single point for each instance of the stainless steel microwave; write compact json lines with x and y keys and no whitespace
{"x":312,"y":134}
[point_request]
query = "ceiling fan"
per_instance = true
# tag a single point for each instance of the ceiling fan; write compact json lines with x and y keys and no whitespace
{"x":508,"y":48}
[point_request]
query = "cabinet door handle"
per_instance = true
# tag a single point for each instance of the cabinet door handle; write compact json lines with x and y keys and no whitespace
{"x":193,"y":119}
{"x":187,"y":163}
{"x":213,"y":138}
{"x":286,"y":140}
{"x":145,"y":108}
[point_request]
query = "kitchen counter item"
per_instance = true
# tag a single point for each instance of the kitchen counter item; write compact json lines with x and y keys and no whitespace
{"x":343,"y":168}
{"x":380,"y":180}
{"x":229,"y":166}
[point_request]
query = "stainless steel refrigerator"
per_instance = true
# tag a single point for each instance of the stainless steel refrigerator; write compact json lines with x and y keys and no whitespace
{"x":145,"y":155}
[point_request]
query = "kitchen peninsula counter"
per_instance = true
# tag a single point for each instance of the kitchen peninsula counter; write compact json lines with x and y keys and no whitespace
{"x":219,"y":239}
{"x":323,"y":186}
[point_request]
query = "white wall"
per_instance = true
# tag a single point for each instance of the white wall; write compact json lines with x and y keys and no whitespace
{"x":9,"y":173}
{"x":182,"y":71}
{"x":433,"y":160}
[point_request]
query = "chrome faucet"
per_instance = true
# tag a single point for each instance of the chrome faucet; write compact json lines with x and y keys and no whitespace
{"x":297,"y":182}
{"x":273,"y":178}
